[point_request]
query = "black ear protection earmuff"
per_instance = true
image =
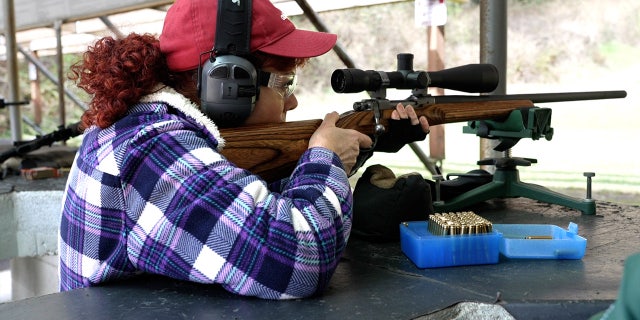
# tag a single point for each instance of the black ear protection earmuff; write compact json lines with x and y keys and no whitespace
{"x":227,"y":81}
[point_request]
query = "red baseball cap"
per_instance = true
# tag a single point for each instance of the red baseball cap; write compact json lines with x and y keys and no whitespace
{"x":189,"y":30}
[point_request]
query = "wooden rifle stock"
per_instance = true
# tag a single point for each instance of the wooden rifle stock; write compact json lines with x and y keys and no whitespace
{"x":273,"y":150}
{"x":270,"y":150}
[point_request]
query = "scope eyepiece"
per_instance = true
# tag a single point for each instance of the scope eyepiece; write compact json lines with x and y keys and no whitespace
{"x":355,"y":80}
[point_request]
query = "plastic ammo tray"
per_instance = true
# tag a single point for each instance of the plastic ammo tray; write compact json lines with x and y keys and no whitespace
{"x":540,"y":241}
{"x":427,"y":250}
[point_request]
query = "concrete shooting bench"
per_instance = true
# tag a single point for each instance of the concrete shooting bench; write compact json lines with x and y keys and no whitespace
{"x":377,"y":281}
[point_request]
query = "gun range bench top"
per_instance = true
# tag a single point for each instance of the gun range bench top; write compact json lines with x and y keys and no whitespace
{"x":376,"y":280}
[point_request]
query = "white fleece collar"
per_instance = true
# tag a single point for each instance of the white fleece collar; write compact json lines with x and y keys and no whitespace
{"x":170,"y":96}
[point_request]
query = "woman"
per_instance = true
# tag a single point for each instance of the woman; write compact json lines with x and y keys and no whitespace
{"x":150,"y":192}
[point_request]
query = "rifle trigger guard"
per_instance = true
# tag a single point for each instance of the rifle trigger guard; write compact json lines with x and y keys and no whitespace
{"x":377,"y":131}
{"x":378,"y":128}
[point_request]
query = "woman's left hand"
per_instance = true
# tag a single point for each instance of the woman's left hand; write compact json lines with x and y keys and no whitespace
{"x":408,"y":112}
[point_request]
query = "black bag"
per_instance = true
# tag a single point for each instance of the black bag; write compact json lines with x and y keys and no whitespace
{"x":381,"y":201}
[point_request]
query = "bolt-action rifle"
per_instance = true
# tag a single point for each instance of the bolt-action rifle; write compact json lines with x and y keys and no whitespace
{"x":272,"y":150}
{"x":22,"y":148}
{"x":4,"y":104}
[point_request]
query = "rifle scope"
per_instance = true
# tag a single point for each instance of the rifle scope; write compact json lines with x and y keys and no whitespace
{"x":474,"y":78}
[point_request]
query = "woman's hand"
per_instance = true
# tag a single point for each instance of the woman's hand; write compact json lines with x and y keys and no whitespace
{"x":408,"y":112}
{"x":346,"y":143}
{"x":404,"y":127}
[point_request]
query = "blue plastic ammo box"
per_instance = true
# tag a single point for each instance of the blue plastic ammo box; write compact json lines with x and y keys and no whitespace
{"x":540,"y":241}
{"x":426,"y":250}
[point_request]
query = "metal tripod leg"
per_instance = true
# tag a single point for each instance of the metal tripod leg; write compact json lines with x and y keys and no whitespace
{"x":506,"y":184}
{"x":428,"y":162}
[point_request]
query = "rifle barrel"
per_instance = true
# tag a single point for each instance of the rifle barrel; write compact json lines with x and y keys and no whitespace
{"x":537,"y":97}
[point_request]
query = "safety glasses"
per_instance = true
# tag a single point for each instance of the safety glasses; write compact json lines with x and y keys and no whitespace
{"x":283,"y":83}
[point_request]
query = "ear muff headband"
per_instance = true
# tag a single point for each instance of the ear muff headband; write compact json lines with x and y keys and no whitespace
{"x":228,"y":82}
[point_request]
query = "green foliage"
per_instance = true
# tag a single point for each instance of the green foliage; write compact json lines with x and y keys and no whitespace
{"x":618,"y":53}
{"x":530,"y":2}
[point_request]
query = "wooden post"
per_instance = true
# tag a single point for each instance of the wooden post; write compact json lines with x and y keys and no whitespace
{"x":435,"y":62}
{"x":36,"y":96}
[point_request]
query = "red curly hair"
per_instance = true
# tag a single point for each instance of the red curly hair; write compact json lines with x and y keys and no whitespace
{"x":119,"y":72}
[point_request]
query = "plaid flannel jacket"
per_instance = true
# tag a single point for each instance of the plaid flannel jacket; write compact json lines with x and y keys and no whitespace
{"x":152,"y":194}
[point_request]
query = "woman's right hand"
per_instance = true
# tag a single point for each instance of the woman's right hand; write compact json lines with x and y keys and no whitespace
{"x":346,"y":143}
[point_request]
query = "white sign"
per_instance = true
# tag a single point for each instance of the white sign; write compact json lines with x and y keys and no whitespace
{"x":430,"y":13}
